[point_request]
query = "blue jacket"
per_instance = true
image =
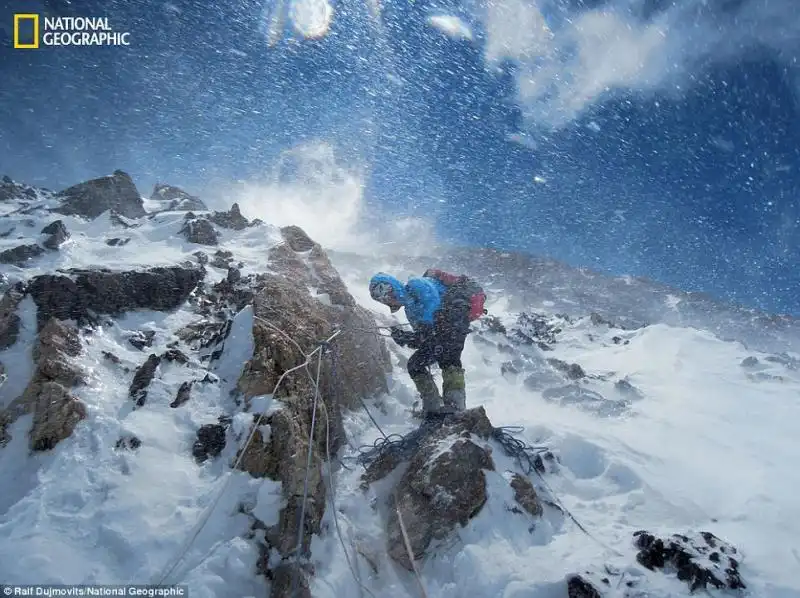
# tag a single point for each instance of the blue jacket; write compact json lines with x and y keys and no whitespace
{"x":421,"y":298}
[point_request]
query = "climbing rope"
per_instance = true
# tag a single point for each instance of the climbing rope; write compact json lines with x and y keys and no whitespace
{"x":402,"y":446}
{"x":310,"y":452}
{"x":325,"y":348}
{"x":399,"y":446}
{"x":331,"y":490}
{"x":528,"y":457}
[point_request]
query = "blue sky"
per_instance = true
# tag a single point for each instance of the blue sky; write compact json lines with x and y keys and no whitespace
{"x":658,"y":139}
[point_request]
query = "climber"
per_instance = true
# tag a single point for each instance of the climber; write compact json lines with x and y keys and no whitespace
{"x":439,"y":307}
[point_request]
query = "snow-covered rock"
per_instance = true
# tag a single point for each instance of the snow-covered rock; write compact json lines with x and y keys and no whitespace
{"x":232,"y":219}
{"x":48,"y":395}
{"x":92,"y":198}
{"x":175,"y":198}
{"x":701,"y":560}
{"x":283,"y":305}
{"x":57,"y":234}
{"x":444,"y":484}
{"x":200,"y":231}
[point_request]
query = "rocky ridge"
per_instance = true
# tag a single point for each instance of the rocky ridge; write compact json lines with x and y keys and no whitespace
{"x":295,"y":301}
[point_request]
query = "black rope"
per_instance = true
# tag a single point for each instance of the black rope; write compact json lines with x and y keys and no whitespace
{"x":401,"y":447}
{"x":528,"y":457}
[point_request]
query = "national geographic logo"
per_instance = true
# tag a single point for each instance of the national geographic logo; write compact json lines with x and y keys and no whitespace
{"x":65,"y":31}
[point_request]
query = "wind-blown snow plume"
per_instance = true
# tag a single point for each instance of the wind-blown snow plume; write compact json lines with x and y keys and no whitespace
{"x":309,"y":184}
{"x":570,"y":57}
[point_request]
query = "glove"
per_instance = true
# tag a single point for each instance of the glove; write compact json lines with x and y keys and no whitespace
{"x":402,"y":337}
{"x":423,"y":335}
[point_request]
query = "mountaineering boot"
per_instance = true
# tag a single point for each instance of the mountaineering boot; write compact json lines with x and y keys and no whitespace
{"x":453,"y":389}
{"x":428,"y":391}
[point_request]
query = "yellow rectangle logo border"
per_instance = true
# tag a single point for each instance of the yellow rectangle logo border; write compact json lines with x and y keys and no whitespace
{"x":26,"y":17}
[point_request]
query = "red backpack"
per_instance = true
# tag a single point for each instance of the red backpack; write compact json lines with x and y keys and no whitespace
{"x":461,"y":288}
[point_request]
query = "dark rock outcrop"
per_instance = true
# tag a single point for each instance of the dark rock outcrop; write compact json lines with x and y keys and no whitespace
{"x":10,"y":190}
{"x":289,"y":581}
{"x":178,"y":199}
{"x":282,"y":302}
{"x":9,"y":318}
{"x":111,"y":357}
{"x":328,"y":280}
{"x":578,"y":587}
{"x":103,"y":292}
{"x":233,"y":276}
{"x":58,"y":234}
{"x":210,"y":442}
{"x":142,"y":339}
{"x":232,"y":219}
{"x":48,"y":396}
{"x":297,"y":239}
{"x":128,"y":443}
{"x":222,"y":259}
{"x":321,"y":274}
{"x":142,"y":378}
{"x":200,"y":231}
{"x":174,"y":355}
{"x":91,"y":198}
{"x":183,"y":396}
{"x":21,"y":255}
{"x":526,"y":496}
{"x":701,"y":560}
{"x":203,"y":334}
{"x":287,"y":262}
{"x":536,"y":329}
{"x":572,"y":371}
{"x":625,"y":388}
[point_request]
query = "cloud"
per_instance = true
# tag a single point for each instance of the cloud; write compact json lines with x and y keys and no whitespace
{"x":570,"y":58}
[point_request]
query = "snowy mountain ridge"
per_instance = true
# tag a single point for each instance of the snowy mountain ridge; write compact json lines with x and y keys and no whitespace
{"x":141,"y":343}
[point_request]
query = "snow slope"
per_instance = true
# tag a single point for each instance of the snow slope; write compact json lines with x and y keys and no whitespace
{"x":708,"y":445}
